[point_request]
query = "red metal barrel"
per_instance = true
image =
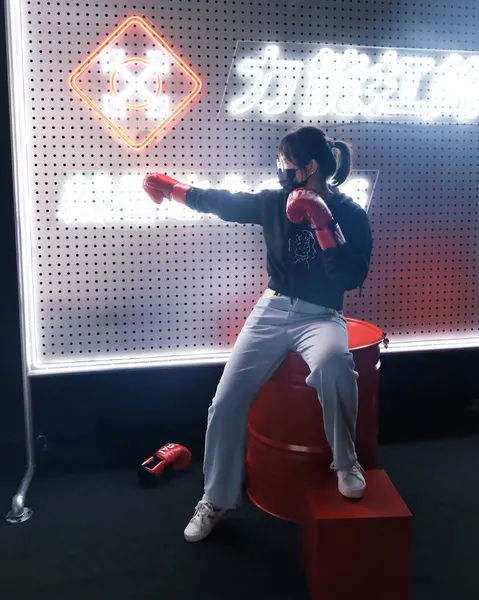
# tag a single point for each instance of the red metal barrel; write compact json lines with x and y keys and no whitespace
{"x":287,"y":443}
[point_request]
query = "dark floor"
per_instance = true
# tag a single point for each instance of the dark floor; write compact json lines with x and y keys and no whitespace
{"x":100,"y":536}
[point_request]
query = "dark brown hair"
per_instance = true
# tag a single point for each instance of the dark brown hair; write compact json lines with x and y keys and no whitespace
{"x":308,"y":143}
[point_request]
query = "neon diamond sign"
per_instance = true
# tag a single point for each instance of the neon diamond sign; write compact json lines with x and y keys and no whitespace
{"x":135,"y":83}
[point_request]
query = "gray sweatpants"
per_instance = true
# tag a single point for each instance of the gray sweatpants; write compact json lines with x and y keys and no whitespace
{"x":277,"y":325}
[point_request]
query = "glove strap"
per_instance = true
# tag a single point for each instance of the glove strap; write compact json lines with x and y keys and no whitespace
{"x":179,"y":191}
{"x":336,"y":231}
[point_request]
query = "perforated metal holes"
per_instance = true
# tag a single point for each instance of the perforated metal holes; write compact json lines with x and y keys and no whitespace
{"x":151,"y":288}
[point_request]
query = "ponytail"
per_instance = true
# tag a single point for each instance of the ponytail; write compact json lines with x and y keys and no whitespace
{"x":343,"y":162}
{"x":307,"y":143}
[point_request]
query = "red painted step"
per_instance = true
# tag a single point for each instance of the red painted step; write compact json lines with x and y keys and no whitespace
{"x":357,"y":549}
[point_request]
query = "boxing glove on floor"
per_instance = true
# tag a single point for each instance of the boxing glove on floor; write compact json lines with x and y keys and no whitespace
{"x":169,"y":456}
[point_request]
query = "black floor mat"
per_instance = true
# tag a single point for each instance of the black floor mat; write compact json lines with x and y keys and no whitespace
{"x":101,"y":536}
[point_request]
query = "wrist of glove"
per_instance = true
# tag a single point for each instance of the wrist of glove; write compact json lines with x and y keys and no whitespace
{"x":329,"y":236}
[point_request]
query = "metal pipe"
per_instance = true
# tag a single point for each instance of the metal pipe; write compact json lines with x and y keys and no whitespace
{"x":19,"y":513}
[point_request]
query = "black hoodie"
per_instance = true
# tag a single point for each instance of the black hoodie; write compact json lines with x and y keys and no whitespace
{"x":296,"y":264}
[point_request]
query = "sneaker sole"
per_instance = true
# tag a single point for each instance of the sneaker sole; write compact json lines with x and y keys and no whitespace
{"x":191,"y":539}
{"x":352,"y":494}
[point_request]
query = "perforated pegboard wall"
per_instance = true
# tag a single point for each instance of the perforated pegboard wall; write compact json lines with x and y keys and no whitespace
{"x":116,"y":290}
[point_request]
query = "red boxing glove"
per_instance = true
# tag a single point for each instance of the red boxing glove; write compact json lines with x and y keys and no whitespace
{"x":171,"y":456}
{"x":304,"y":204}
{"x":159,"y":187}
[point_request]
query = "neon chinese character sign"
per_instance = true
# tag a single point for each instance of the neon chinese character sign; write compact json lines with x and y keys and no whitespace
{"x":327,"y":83}
{"x":140,"y":96}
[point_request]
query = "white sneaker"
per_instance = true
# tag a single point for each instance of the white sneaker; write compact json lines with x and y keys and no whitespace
{"x":205,"y":518}
{"x":351,"y":482}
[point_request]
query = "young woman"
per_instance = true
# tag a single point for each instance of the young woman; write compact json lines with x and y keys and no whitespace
{"x":318,"y":246}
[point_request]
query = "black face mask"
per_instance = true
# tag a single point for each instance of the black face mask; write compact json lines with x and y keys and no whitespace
{"x":288,"y":181}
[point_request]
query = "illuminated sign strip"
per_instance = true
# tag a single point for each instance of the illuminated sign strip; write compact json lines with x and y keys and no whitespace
{"x":351,"y":84}
{"x":217,"y":357}
{"x":105,"y":199}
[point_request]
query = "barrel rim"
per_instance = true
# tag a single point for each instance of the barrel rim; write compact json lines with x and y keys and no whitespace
{"x":369,"y":326}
